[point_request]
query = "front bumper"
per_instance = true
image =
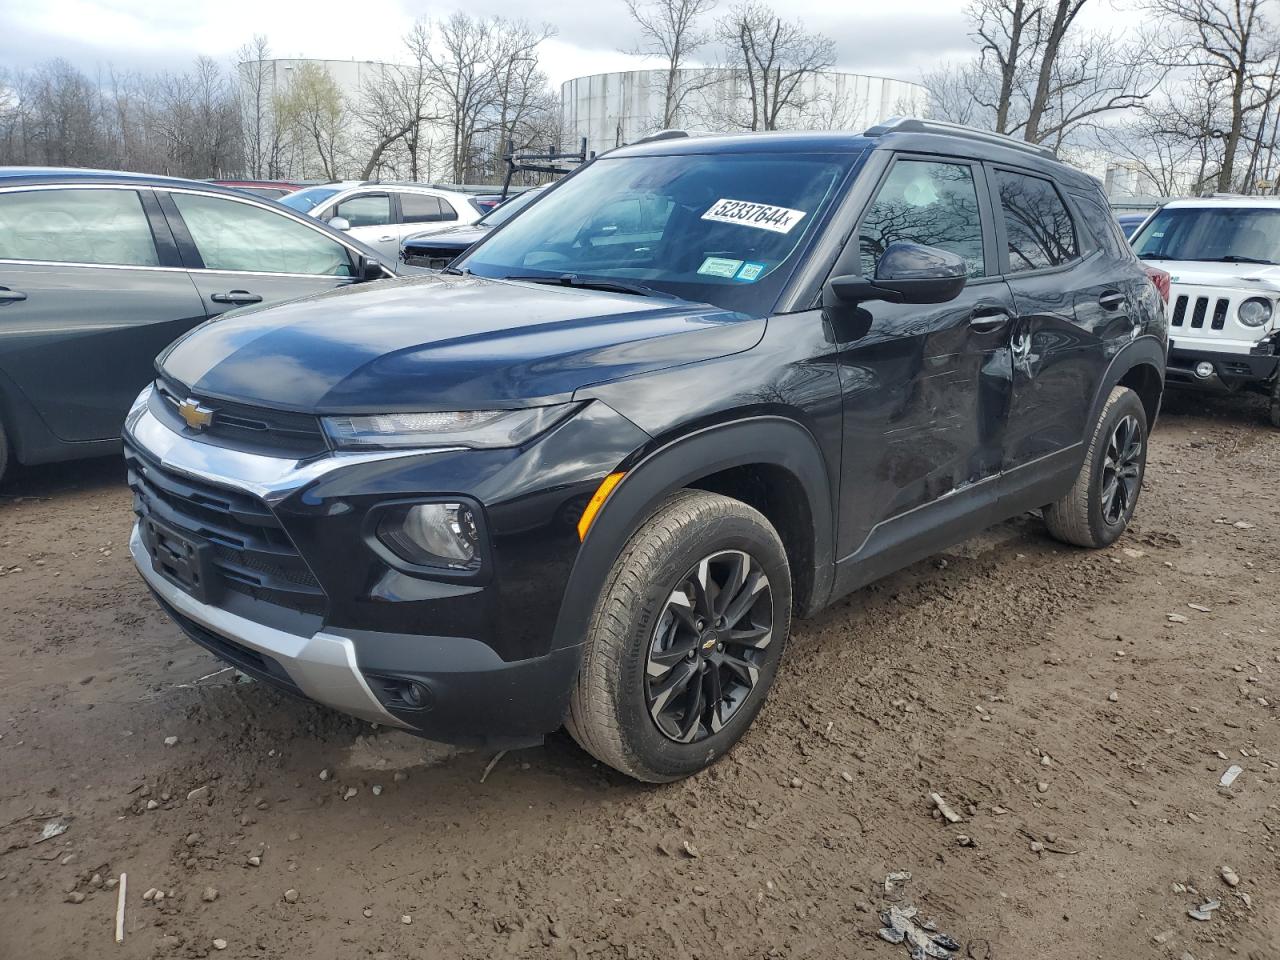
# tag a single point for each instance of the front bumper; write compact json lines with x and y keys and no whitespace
{"x":462,"y":662}
{"x":1231,"y":370}
{"x":472,"y":697}
{"x":321,"y":666}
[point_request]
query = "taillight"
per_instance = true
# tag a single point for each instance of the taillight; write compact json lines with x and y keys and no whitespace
{"x":1161,"y":280}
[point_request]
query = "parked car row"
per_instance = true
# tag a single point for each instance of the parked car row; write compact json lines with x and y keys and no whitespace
{"x":383,"y":215}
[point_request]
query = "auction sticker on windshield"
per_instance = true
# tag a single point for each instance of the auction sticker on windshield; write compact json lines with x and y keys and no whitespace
{"x":762,"y":216}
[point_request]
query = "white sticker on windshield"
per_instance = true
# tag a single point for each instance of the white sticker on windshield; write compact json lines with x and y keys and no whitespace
{"x":762,"y":216}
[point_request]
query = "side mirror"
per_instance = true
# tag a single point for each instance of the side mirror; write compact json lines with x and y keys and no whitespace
{"x":907,"y":273}
{"x":366,"y":268}
{"x":340,"y":223}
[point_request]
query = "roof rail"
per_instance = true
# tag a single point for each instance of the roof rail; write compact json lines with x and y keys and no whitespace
{"x":917,"y":125}
{"x":669,"y":134}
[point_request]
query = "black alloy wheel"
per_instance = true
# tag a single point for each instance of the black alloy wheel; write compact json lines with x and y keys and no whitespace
{"x":1121,"y":470}
{"x":703,"y":658}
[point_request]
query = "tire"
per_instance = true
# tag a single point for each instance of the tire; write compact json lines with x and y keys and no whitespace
{"x":644,"y":639}
{"x":1094,"y":512}
{"x":4,"y":452}
{"x":1275,"y":401}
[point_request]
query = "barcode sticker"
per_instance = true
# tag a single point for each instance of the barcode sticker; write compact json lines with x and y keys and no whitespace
{"x":762,"y":216}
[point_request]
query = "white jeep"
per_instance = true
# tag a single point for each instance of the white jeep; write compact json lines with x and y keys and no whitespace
{"x":1223,"y":257}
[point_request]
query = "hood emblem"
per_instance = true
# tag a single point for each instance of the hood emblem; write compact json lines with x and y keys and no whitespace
{"x":196,"y":415}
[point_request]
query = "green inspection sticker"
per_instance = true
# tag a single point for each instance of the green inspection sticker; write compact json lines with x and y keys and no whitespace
{"x":750,"y":272}
{"x":719,"y":267}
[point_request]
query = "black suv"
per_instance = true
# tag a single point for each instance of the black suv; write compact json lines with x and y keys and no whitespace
{"x":587,"y":476}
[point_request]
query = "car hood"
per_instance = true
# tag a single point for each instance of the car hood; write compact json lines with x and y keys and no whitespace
{"x":444,"y":342}
{"x":462,"y":236}
{"x":1203,"y":273}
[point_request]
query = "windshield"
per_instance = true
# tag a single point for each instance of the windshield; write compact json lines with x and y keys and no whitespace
{"x":715,"y":228}
{"x":308,"y":199}
{"x":505,"y":211}
{"x":1223,"y":234}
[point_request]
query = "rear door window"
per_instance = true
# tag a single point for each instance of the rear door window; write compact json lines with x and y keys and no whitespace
{"x":100,"y":226}
{"x":927,"y":202}
{"x":420,"y":208}
{"x":1038,"y":229}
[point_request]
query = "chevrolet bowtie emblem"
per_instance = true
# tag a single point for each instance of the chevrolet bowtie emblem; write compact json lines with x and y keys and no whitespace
{"x":197,"y":417}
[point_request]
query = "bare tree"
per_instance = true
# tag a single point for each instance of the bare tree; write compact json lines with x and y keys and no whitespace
{"x":1002,"y":28}
{"x":256,"y":95}
{"x":1037,"y":76}
{"x":1228,"y":40}
{"x":482,"y":74}
{"x":1053,"y":22}
{"x":672,"y":30}
{"x":776,"y":60}
{"x":961,"y":93}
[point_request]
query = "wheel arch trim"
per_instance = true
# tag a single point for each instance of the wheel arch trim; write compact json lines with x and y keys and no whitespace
{"x":766,"y":440}
{"x":1146,"y":351}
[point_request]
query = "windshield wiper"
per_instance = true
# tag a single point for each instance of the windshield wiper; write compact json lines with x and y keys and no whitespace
{"x":1156,"y":256}
{"x":1236,"y":258}
{"x":586,"y":283}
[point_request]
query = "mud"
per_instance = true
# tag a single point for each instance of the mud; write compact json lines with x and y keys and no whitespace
{"x":1042,"y":692}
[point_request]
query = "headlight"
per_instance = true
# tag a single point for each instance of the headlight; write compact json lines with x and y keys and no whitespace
{"x":140,"y":404}
{"x":462,"y":428}
{"x":1254,"y":312}
{"x":435,"y":534}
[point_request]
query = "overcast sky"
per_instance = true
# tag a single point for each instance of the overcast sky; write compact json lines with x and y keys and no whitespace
{"x":900,"y":38}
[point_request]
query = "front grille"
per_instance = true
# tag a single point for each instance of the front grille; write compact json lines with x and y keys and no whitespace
{"x":250,"y":552}
{"x":433,"y":258}
{"x":1199,"y":311}
{"x":242,"y":426}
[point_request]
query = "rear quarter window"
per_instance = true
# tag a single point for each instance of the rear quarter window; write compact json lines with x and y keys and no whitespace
{"x":1039,"y":232}
{"x":1101,"y":225}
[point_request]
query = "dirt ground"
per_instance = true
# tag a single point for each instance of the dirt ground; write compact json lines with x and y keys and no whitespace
{"x":1077,"y":710}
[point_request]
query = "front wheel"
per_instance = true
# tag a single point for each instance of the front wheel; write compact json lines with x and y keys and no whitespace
{"x":1275,"y":401}
{"x":685,"y":640}
{"x":1101,"y":502}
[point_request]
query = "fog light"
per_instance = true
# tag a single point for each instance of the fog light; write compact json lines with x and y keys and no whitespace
{"x":1204,"y":369}
{"x":434,"y":534}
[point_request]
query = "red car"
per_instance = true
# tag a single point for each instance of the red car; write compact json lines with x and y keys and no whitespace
{"x":271,"y":189}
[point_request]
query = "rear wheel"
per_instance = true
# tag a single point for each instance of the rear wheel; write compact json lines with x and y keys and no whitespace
{"x":1101,"y":502}
{"x":685,"y":640}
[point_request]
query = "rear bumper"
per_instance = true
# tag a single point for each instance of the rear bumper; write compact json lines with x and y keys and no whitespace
{"x":468,"y":695}
{"x":1231,"y":371}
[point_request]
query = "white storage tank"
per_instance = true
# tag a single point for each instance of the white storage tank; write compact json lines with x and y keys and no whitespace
{"x":610,"y":109}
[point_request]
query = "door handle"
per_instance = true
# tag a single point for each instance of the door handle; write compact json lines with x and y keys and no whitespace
{"x":11,"y":296}
{"x":1111,"y":300}
{"x":236,"y":296}
{"x":988,"y":319}
{"x":386,"y":238}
